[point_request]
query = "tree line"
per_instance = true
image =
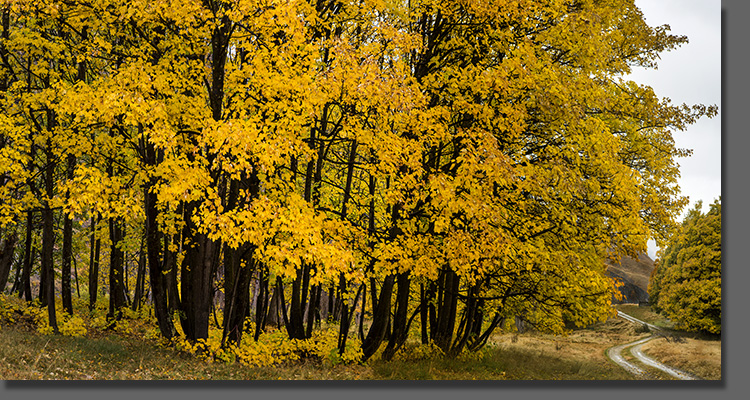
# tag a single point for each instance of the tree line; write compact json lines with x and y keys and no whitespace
{"x":436,"y":166}
{"x":686,"y":283}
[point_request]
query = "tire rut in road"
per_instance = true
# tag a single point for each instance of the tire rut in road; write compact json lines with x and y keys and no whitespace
{"x":615,"y":354}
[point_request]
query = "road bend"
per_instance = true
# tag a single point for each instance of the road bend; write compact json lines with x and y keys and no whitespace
{"x":615,"y":354}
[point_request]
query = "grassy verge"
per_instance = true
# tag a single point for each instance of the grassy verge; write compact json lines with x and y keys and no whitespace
{"x":696,"y":356}
{"x":27,"y":354}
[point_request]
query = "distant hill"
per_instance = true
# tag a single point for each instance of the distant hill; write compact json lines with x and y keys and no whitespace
{"x":635,"y":274}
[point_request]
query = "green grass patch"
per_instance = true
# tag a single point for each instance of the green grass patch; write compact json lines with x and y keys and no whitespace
{"x":646,"y":314}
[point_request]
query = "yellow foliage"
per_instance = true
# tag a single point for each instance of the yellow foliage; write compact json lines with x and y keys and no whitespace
{"x":73,"y":326}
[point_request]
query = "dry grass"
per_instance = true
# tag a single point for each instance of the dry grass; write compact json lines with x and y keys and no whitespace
{"x":580,"y":355}
{"x":28,"y":355}
{"x":584,"y":347}
{"x":698,"y":357}
{"x":25,"y":354}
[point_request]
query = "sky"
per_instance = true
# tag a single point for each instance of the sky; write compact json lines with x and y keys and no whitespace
{"x":690,"y":74}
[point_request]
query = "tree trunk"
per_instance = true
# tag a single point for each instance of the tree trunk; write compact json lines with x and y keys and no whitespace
{"x":423,"y":314}
{"x":157,"y":279}
{"x":274,"y":308}
{"x":48,"y":234}
{"x":94,"y":252}
{"x":380,"y":320}
{"x":237,"y":290}
{"x":446,"y":320}
{"x":261,"y":308}
{"x":313,"y":309}
{"x":67,"y":248}
{"x":116,"y":273}
{"x":6,"y":257}
{"x":295,"y":326}
{"x":196,"y":281}
{"x":281,"y":301}
{"x":27,"y":258}
{"x":202,"y":254}
{"x":140,"y":278}
{"x":467,"y":326}
{"x":169,"y":270}
{"x":399,"y":334}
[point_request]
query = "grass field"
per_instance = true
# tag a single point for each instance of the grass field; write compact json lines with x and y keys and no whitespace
{"x":580,"y":355}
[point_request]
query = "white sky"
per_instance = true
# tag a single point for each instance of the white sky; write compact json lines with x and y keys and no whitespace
{"x":691,"y":74}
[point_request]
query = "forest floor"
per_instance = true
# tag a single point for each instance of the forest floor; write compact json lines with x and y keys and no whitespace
{"x":579,"y":355}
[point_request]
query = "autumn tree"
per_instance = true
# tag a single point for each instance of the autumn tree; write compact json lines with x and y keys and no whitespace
{"x":686,"y":283}
{"x":452,"y":164}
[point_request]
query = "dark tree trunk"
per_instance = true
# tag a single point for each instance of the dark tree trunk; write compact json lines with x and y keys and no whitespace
{"x":25,"y":291}
{"x":140,"y":278}
{"x":399,"y":333}
{"x":274,"y":308}
{"x":432,"y":308}
{"x":239,"y":266}
{"x":331,"y":298}
{"x":157,"y":279}
{"x":94,"y":252}
{"x":261,"y":309}
{"x":67,"y":248}
{"x":313,"y":309}
{"x":423,"y":314}
{"x":6,"y":257}
{"x":295,"y":326}
{"x":116,"y":272}
{"x":196,"y":280}
{"x":170,"y":270}
{"x":17,"y":276}
{"x":361,"y":329}
{"x":28,"y":255}
{"x":467,"y":326}
{"x":48,"y":234}
{"x":344,"y":321}
{"x":380,"y":320}
{"x":237,"y":290}
{"x":446,"y":320}
{"x":281,"y":301}
{"x":481,"y":339}
{"x":202,"y":254}
{"x":48,"y":283}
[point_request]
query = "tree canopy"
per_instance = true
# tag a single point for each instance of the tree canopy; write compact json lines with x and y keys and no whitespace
{"x":461,"y":161}
{"x":686,"y":284}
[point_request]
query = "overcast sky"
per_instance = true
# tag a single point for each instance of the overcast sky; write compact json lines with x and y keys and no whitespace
{"x":691,"y":74}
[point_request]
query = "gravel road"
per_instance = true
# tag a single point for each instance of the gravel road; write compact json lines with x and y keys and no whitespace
{"x":615,"y":354}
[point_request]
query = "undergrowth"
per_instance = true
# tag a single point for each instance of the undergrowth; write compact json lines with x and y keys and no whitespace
{"x":272,"y":347}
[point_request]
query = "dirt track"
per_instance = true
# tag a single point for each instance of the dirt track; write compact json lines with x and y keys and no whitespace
{"x":615,"y":354}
